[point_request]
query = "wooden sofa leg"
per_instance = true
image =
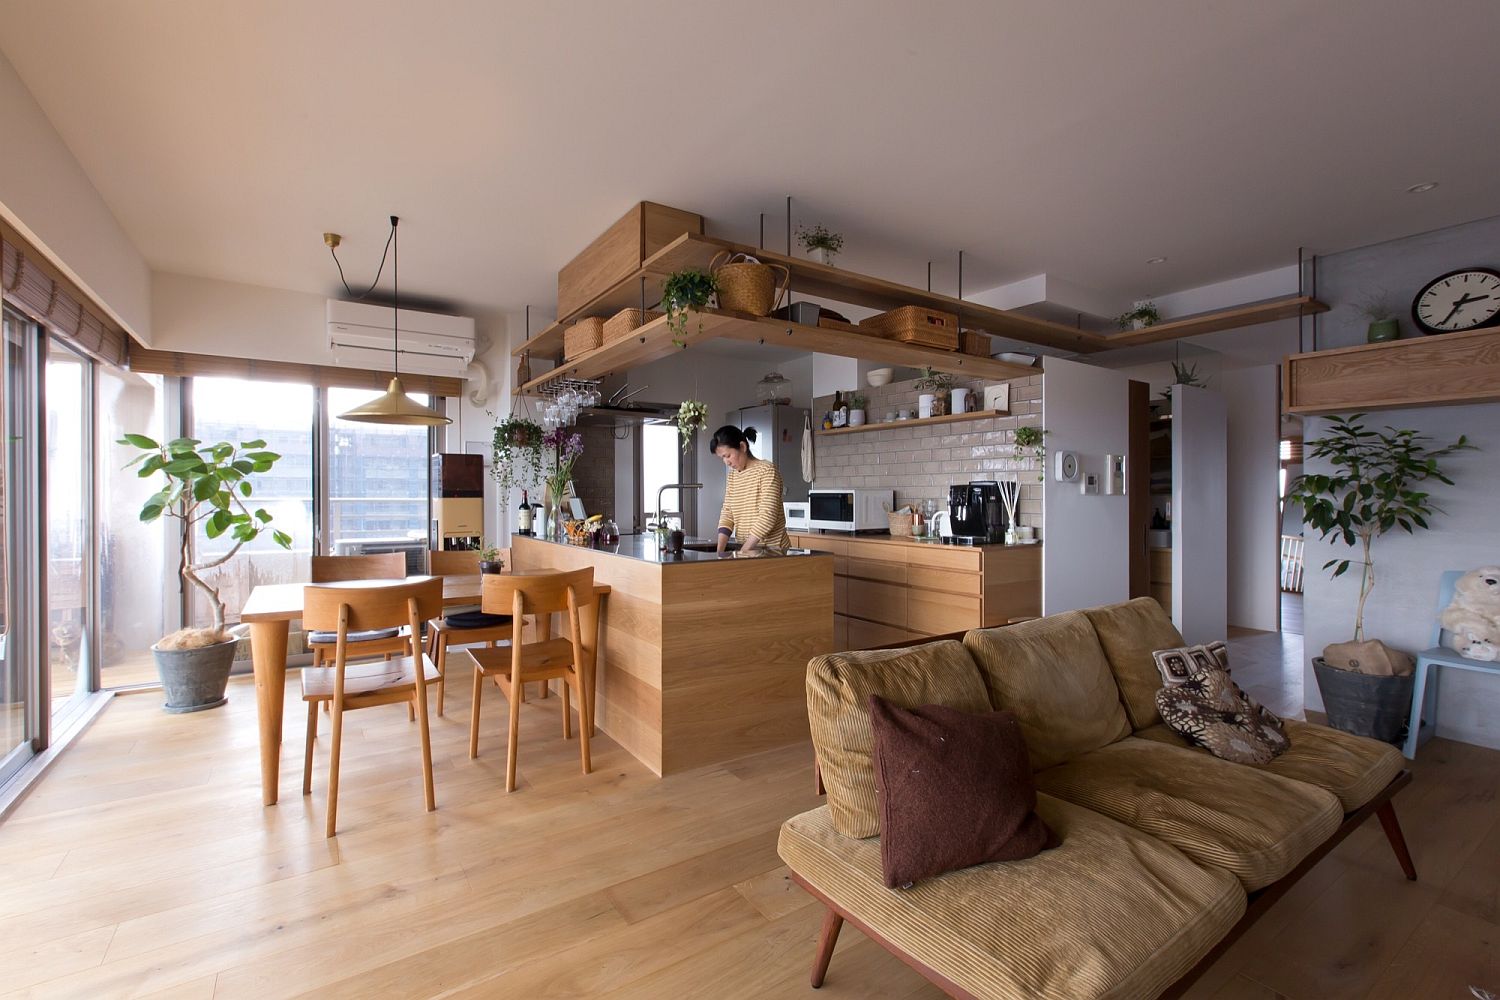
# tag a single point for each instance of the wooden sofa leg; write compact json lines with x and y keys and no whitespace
{"x":1392,"y":828}
{"x":827,"y":938}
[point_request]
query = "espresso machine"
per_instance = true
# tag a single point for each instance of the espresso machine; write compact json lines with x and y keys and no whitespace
{"x":976,"y":513}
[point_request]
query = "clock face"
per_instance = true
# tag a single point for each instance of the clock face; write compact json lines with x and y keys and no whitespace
{"x":1460,"y":300}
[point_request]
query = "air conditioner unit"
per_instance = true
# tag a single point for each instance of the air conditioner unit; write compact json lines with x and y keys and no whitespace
{"x":360,"y":336}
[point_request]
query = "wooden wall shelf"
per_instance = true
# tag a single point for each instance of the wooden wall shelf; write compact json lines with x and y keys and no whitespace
{"x":654,"y":341}
{"x":1447,"y":369}
{"x":1224,"y":319}
{"x":951,"y":418}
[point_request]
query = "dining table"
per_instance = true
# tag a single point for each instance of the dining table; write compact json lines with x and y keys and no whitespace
{"x":270,"y":610}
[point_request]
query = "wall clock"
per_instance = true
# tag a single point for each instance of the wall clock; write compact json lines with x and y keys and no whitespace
{"x":1466,"y":299}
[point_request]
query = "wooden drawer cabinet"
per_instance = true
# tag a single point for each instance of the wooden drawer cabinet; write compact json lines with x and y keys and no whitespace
{"x":890,"y":591}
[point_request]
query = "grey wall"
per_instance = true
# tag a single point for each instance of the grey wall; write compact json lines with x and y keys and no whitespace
{"x":1403,"y":604}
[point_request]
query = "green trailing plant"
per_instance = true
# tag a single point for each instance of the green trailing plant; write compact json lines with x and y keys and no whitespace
{"x":1029,"y":444}
{"x":933,"y":381}
{"x":820,"y":238}
{"x":1146,"y":312}
{"x":516,"y":454}
{"x":684,"y":290}
{"x":1375,"y":486}
{"x":692,"y":416}
{"x":209,"y":486}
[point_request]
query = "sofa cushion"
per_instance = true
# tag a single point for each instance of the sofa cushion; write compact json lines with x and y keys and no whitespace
{"x":1210,"y":711}
{"x":955,"y":790}
{"x":1108,"y":913}
{"x":1353,"y":768}
{"x":1052,"y":674}
{"x":839,"y":686}
{"x":1252,"y":823}
{"x":1128,"y":633}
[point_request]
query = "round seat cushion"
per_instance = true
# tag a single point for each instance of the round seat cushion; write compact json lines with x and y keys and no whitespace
{"x":475,"y":619}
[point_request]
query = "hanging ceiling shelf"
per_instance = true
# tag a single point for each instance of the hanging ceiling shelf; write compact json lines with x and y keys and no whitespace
{"x":653,"y":341}
{"x":1224,"y":319}
{"x":1447,"y":369}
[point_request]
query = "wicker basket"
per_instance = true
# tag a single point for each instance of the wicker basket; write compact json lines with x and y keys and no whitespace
{"x":582,"y":337}
{"x":626,"y":321}
{"x":746,"y":285}
{"x":915,"y":325}
{"x":976,"y":344}
{"x":900,"y":521}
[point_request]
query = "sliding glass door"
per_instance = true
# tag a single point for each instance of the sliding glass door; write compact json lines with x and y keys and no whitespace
{"x":69,"y":540}
{"x":21,"y":686}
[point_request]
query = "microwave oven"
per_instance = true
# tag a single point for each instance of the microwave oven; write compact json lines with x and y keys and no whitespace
{"x":854,"y":511}
{"x":796,"y":515}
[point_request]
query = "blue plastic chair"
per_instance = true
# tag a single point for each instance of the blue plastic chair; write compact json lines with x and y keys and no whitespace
{"x":1424,"y":698}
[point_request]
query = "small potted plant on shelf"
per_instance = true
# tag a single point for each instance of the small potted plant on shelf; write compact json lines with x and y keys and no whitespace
{"x":857,"y":406}
{"x":684,"y":290}
{"x":1383,"y":322}
{"x":1028,"y":442}
{"x":516,"y":453}
{"x":692,"y":416}
{"x":932,"y":393}
{"x":1374,"y":485}
{"x":821,"y":244}
{"x":207,"y":485}
{"x":1143,"y":315}
{"x":489,"y":558}
{"x":1184,"y":373}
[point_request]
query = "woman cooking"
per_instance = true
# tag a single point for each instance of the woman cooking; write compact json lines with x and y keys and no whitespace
{"x":752,"y":496}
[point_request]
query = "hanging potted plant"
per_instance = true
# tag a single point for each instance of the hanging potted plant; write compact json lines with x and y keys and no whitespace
{"x":684,"y":290}
{"x":821,"y":244}
{"x":1028,"y":442}
{"x":692,"y":416}
{"x":932,"y":393}
{"x":516,"y":454}
{"x":1374,"y":486}
{"x":1143,"y":315}
{"x":207,"y":485}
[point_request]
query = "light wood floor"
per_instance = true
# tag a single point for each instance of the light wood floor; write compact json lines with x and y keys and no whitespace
{"x":144,"y":865}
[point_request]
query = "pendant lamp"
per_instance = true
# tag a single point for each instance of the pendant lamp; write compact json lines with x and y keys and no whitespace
{"x":394,"y":406}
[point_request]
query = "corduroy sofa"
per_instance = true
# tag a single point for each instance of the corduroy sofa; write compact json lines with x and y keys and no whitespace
{"x":1167,"y":853}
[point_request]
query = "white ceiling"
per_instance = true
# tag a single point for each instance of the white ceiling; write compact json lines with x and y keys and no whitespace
{"x":1074,"y":137}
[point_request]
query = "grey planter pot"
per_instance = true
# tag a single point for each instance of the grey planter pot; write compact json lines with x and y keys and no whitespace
{"x":194,"y":679}
{"x":1363,"y":704}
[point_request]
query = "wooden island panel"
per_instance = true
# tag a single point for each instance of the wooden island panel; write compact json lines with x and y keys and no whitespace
{"x":701,"y":662}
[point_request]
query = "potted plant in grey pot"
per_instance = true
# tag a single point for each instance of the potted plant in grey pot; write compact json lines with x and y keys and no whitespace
{"x":207,"y":485}
{"x":1375,"y":485}
{"x":1383,"y":322}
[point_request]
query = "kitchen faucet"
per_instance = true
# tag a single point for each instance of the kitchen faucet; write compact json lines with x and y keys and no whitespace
{"x":661,"y":515}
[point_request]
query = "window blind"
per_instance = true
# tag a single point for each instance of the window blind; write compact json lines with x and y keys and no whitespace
{"x":32,"y":284}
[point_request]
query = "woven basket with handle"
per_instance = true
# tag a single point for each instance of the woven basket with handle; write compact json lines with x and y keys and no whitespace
{"x":900,"y":521}
{"x":746,"y":285}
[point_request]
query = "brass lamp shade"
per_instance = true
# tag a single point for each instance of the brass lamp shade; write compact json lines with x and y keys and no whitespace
{"x":394,"y":406}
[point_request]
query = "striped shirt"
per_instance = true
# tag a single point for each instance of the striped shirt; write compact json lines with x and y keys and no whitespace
{"x":752,"y":504}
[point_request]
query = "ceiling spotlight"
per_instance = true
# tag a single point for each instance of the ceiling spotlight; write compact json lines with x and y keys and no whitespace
{"x":1156,"y":260}
{"x":1421,"y":188}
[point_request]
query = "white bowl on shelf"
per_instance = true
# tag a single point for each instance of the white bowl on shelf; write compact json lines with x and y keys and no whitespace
{"x":878,"y":377}
{"x":1017,"y":358}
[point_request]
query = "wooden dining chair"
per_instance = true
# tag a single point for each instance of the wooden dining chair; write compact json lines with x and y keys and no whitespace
{"x":462,"y":626}
{"x":346,"y":686}
{"x":341,"y":569}
{"x":521,"y":662}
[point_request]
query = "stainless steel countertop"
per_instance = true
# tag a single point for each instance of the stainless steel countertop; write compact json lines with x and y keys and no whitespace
{"x":645,"y":549}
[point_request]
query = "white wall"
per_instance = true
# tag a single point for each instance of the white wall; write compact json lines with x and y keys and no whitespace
{"x":475,"y":422}
{"x":1200,"y":546}
{"x":1254,"y":456}
{"x":1086,"y":556}
{"x":46,"y":196}
{"x":206,"y":316}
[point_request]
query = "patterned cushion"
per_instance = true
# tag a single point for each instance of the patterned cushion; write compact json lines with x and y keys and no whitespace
{"x":1051,"y":672}
{"x":1252,"y":823}
{"x":1210,"y":711}
{"x":1352,"y":767}
{"x":1178,"y":663}
{"x":1128,"y":633}
{"x":839,"y":686}
{"x":1108,"y":913}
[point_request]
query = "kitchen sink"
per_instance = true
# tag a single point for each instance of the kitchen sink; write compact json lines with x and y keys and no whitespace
{"x":709,"y":547}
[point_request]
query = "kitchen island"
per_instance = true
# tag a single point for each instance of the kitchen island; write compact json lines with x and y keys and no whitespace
{"x":703,"y":658}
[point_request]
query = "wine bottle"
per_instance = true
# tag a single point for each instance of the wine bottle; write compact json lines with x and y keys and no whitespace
{"x":524,"y":516}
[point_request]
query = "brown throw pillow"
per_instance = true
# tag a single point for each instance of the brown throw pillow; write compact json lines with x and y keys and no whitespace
{"x":954,"y":788}
{"x":1209,"y":710}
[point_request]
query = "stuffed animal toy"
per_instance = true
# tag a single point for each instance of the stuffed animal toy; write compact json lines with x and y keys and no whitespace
{"x":1473,"y":618}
